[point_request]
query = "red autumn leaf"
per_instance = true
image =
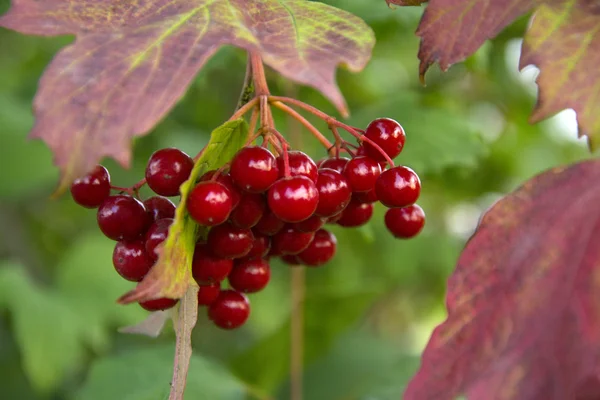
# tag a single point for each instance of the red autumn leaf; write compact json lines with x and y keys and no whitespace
{"x":563,"y":40}
{"x":132,"y":61}
{"x":524,"y":301}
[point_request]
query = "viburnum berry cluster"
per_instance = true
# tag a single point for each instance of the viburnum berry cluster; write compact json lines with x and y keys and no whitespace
{"x":258,"y":206}
{"x":268,"y":201}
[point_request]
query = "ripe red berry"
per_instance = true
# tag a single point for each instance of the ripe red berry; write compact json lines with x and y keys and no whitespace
{"x":131,"y":260}
{"x":122,"y":217}
{"x":334,"y":218}
{"x":254,"y":169}
{"x":337,"y":164}
{"x":388,"y":135}
{"x":207,"y":294}
{"x":269,"y":224}
{"x":293,"y":199}
{"x":167,"y":169}
{"x":158,"y":304}
{"x":156,"y":234}
{"x":321,"y":249}
{"x":92,"y":189}
{"x":311,"y":224}
{"x":230,"y":310}
{"x":249,"y":210}
{"x":226,"y":180}
{"x":209,"y":203}
{"x":250,"y":276}
{"x":334,"y":192}
{"x":290,"y":241}
{"x":356,"y":214}
{"x":405,"y":222}
{"x":362,"y":173}
{"x":228,"y":241}
{"x":159,"y":207}
{"x":398,"y":187}
{"x":299,"y":164}
{"x":207,"y":267}
{"x":260,"y":247}
{"x":365,"y":197}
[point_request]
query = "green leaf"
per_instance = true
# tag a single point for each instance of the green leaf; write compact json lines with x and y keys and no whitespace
{"x":131,"y":62}
{"x":357,"y":367}
{"x":47,"y":328}
{"x":326,"y":316}
{"x":145,"y":375}
{"x":171,"y":275}
{"x":55,"y":327}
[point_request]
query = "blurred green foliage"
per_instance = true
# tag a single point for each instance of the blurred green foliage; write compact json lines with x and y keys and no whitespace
{"x":367,"y":314}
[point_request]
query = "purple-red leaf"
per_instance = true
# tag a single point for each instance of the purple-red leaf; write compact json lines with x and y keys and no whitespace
{"x":132,"y":60}
{"x":524,"y":302}
{"x":563,"y":40}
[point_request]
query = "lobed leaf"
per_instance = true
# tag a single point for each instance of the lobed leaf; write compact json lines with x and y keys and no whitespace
{"x":172,"y":274}
{"x":563,"y":40}
{"x":523,"y":303}
{"x":143,"y":374}
{"x":132,"y":61}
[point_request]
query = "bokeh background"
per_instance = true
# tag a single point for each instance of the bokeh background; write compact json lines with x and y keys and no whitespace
{"x":368,"y":314}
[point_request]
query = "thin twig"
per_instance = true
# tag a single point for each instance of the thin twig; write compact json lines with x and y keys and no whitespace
{"x":290,"y":111}
{"x":248,"y":86}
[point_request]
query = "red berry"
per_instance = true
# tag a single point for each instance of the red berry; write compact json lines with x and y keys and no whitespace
{"x":228,"y":241}
{"x":311,"y":224}
{"x":405,"y":222}
{"x":226,"y":180}
{"x":159,"y":207}
{"x":293,"y":199}
{"x":362,"y":173}
{"x":334,"y":192}
{"x":209,"y":203}
{"x":337,"y":164}
{"x":250,"y":276}
{"x":388,"y":135}
{"x":269,"y":224}
{"x":365,"y":197}
{"x":254,"y":169}
{"x":167,"y":169}
{"x":92,"y":189}
{"x":157,"y":233}
{"x":122,"y":217}
{"x":158,"y":304}
{"x":290,"y":259}
{"x":299,"y":164}
{"x":131,"y":260}
{"x":207,"y":294}
{"x":207,"y":267}
{"x":260,"y":246}
{"x":321,"y":249}
{"x":230,"y":310}
{"x":398,"y":187}
{"x":356,"y":214}
{"x":249,"y":210}
{"x":290,"y":241}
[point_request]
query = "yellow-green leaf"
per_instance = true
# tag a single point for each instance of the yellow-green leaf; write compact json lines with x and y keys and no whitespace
{"x":172,"y":274}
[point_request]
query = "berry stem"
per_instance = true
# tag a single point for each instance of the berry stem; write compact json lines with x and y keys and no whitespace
{"x":244,"y":109}
{"x":291,"y":112}
{"x":253,"y":121}
{"x":363,"y":138}
{"x":258,"y":75}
